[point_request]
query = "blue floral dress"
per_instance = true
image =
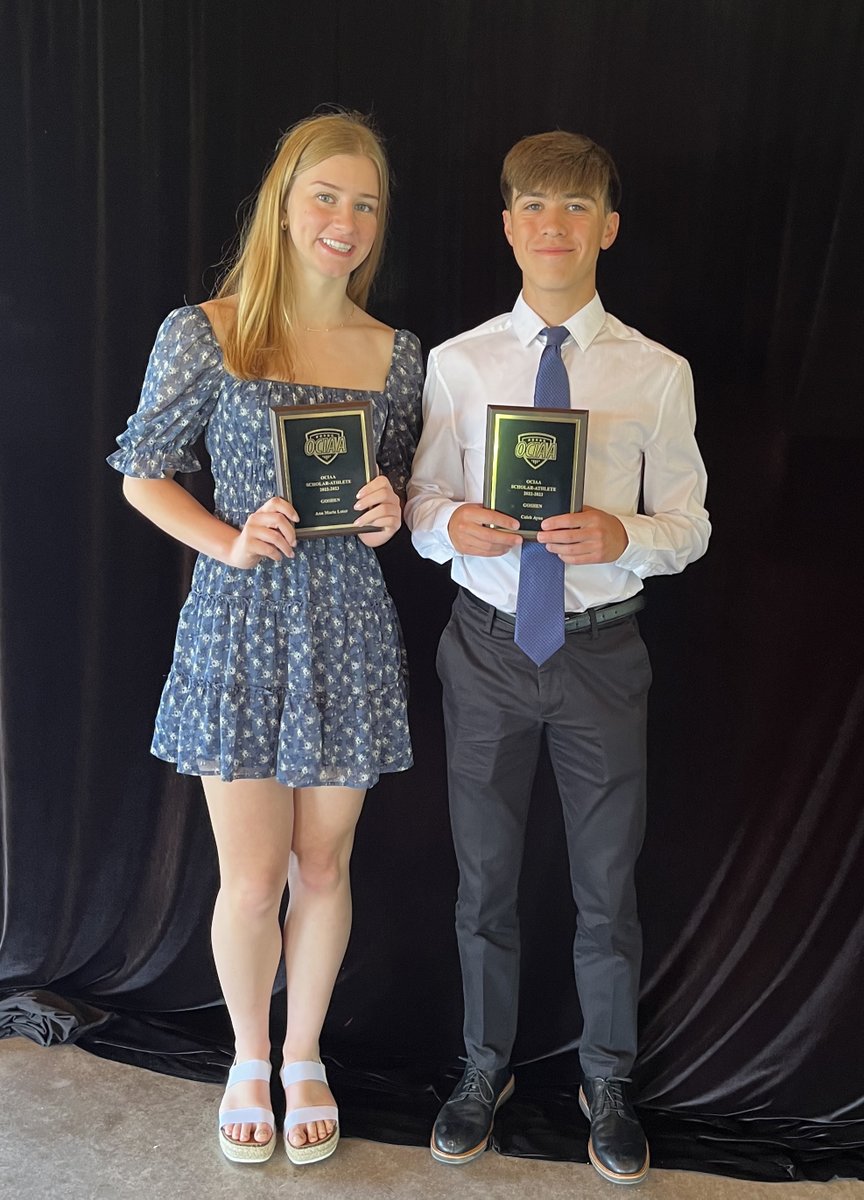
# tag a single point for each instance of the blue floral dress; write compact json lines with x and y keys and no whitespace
{"x":294,"y":669}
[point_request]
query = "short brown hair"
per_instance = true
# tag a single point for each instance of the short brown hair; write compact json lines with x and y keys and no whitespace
{"x":560,"y":162}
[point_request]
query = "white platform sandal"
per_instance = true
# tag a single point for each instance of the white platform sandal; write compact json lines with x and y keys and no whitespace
{"x":299,"y":1072}
{"x":252,"y":1069}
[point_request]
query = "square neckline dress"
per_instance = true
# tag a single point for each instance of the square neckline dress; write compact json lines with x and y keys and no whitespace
{"x":294,"y":669}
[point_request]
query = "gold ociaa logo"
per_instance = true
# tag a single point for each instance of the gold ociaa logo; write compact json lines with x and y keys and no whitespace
{"x":536,"y":448}
{"x":325,"y":445}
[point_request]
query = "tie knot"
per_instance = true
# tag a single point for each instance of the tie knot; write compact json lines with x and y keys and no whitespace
{"x":555,"y":335}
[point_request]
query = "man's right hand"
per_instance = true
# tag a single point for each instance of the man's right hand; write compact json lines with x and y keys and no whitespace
{"x":470,"y":533}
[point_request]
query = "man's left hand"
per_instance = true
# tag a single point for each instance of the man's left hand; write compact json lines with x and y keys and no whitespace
{"x":590,"y":536}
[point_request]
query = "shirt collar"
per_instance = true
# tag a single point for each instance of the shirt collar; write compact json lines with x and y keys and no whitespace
{"x":583,"y":326}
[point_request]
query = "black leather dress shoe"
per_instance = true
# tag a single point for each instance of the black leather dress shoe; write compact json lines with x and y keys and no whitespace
{"x":617,"y":1147}
{"x":464,"y":1124}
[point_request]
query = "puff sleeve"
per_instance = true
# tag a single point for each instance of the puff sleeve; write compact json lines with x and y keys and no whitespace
{"x":402,"y":427}
{"x":180,"y":391}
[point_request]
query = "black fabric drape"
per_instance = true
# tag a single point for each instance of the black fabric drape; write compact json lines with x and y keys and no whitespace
{"x":133,"y":131}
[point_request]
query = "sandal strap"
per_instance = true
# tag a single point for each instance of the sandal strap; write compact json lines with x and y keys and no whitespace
{"x":245,"y":1072}
{"x":246,"y":1116}
{"x":300,"y":1072}
{"x":303,"y":1116}
{"x":251,"y":1070}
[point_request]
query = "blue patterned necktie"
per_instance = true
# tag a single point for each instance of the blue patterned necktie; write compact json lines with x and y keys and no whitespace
{"x":540,"y":599}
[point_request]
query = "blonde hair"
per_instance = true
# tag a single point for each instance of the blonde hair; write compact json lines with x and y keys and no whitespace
{"x":560,"y":162}
{"x":261,"y":275}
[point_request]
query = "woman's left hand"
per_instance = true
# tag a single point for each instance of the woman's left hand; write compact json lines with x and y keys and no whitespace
{"x":379,"y":506}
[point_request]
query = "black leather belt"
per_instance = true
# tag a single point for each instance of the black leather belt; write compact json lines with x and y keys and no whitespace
{"x":604,"y":614}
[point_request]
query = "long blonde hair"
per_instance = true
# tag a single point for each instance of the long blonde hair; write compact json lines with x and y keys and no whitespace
{"x":261,"y":276}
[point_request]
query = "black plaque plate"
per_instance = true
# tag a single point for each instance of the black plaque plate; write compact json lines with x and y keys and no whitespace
{"x":324,"y":454}
{"x":535,"y":463}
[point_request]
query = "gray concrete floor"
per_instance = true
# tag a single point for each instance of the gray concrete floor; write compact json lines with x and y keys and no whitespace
{"x":81,"y":1128}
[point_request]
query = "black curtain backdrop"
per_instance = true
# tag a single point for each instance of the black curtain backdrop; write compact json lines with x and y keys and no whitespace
{"x":133,"y":131}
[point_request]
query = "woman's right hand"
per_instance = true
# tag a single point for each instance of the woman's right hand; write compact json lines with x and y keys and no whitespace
{"x":268,"y":533}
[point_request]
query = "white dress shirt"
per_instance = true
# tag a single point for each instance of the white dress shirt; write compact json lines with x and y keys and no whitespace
{"x":640,"y":436}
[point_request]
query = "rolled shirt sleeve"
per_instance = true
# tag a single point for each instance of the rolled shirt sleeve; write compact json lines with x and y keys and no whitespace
{"x":674,"y":529}
{"x":437,"y":485}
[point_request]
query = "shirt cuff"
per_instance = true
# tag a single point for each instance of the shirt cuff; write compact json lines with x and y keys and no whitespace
{"x":435,"y":543}
{"x":635,"y":555}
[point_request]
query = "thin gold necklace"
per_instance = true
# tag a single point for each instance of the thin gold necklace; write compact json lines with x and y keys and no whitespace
{"x":330,"y":328}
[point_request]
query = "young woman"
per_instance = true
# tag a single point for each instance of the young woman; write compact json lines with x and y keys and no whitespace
{"x":287,"y":690}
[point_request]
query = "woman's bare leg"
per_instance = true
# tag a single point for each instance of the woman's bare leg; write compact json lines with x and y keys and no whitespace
{"x":253,"y":824}
{"x":316,"y":930}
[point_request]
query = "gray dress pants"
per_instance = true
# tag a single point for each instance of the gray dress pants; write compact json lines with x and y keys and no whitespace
{"x":589,"y":700}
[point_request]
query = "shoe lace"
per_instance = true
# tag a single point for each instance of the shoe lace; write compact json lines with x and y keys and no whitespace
{"x":609,"y":1094}
{"x":475,"y":1083}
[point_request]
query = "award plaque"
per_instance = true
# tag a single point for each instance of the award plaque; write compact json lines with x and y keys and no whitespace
{"x":535,"y":463}
{"x":324,"y":454}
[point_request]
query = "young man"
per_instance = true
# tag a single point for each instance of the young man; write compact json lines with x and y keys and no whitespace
{"x":543,"y":640}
